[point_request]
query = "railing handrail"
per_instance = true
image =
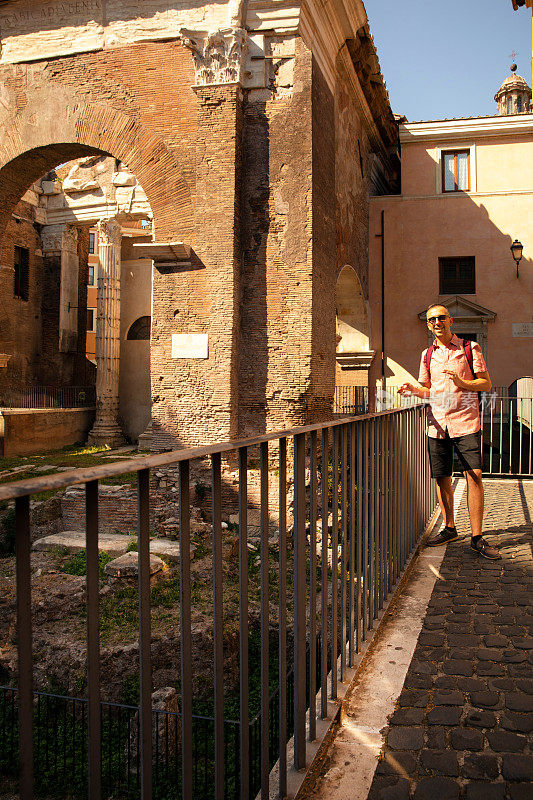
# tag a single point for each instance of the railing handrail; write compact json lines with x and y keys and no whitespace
{"x":111,"y":704}
{"x":10,"y":491}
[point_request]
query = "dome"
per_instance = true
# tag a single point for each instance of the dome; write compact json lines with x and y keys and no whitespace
{"x":512,"y":83}
{"x":514,"y":95}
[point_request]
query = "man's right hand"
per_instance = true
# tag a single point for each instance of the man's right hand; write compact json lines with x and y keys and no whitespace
{"x":407,"y":388}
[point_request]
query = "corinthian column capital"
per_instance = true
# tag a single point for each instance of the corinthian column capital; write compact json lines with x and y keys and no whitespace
{"x":109,"y":231}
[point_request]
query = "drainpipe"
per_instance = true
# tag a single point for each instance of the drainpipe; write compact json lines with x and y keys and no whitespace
{"x":382,"y":237}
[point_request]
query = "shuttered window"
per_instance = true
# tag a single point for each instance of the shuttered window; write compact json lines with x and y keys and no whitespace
{"x":21,"y":263}
{"x":457,"y":275}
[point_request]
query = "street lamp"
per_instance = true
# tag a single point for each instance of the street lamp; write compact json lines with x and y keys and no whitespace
{"x":516,"y":250}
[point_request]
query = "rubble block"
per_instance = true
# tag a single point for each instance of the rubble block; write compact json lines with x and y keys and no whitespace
{"x":126,"y":568}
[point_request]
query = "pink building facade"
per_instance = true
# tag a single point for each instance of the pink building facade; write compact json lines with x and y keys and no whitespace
{"x":466,"y":195}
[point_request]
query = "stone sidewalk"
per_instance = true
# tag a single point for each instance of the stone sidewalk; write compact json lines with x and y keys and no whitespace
{"x":463,"y":725}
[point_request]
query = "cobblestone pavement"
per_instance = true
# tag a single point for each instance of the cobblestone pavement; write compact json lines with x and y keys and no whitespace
{"x":463,"y":727}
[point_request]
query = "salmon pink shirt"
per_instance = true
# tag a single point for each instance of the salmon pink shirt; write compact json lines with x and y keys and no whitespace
{"x":450,"y":408}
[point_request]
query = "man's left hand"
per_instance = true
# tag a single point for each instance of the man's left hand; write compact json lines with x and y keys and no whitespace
{"x":455,"y":378}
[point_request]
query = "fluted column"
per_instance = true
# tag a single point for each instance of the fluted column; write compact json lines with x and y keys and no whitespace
{"x":106,"y":429}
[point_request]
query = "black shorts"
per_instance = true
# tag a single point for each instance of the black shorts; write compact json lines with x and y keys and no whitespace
{"x":467,"y":451}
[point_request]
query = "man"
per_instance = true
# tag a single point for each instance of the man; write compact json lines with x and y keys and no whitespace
{"x":453,"y":423}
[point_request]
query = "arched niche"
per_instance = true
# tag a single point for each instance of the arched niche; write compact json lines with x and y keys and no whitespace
{"x":353,"y":328}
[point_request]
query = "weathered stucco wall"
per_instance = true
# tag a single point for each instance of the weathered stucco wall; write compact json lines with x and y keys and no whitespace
{"x":26,"y":432}
{"x":134,"y":377}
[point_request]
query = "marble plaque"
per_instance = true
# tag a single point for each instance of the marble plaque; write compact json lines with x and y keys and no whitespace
{"x":190,"y":345}
{"x":522,"y":330}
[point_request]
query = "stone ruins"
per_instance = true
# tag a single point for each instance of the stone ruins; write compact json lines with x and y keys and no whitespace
{"x":247,"y":138}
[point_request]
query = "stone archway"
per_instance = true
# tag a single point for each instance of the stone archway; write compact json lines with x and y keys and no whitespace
{"x":29,"y":151}
{"x":352,"y":328}
{"x":52,"y":127}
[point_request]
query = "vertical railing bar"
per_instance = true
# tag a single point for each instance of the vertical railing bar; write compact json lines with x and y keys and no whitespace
{"x":299,"y":603}
{"x":392,"y":525}
{"x":410,"y":493}
{"x":264,"y":569}
{"x":392,"y":493}
{"x":334,"y":558}
{"x":381,"y":516}
{"x":145,"y":710}
{"x":351,"y":582}
{"x":24,"y":646}
{"x":484,"y":397}
{"x":359,"y":596}
{"x":324,"y":576}
{"x":344,"y":460}
{"x":381,"y":500}
{"x":312,"y":587}
{"x":386,"y":500}
{"x":218,"y":623}
{"x":501,"y":431}
{"x":372,"y":526}
{"x":186,"y":638}
{"x":520,"y":436}
{"x":396,"y":514}
{"x":401,"y":491}
{"x":243,"y":623}
{"x":491,"y":429}
{"x":365,"y":532}
{"x":93,"y":641}
{"x":282,"y":617}
{"x":407,"y":493}
{"x":530,"y":431}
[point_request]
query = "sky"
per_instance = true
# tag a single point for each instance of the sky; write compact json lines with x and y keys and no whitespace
{"x":443,"y":60}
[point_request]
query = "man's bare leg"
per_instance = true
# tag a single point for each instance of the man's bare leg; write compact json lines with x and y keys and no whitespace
{"x":475,"y":499}
{"x":445,"y":498}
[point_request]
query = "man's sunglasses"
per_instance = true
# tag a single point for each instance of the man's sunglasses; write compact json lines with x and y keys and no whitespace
{"x":440,"y":318}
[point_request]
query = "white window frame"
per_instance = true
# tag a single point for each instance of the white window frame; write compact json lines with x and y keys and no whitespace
{"x":93,"y":329}
{"x":453,"y":147}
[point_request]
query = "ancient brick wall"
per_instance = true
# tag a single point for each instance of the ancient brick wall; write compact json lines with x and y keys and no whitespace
{"x":20,"y":320}
{"x":206,"y":298}
{"x":275,"y":354}
{"x":352,"y":181}
{"x":55,"y":368}
{"x":263,"y":186}
{"x":325,"y":234}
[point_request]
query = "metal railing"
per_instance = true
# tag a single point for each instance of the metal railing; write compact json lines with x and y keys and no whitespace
{"x":507,"y":434}
{"x":364,"y":482}
{"x":49,"y":397}
{"x":61,"y":741}
{"x":351,"y":400}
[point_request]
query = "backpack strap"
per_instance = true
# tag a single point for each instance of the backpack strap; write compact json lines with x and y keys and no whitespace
{"x":466,"y":344}
{"x":467,"y":347}
{"x":429,"y":353}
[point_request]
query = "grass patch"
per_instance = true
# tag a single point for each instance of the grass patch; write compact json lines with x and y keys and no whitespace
{"x":8,"y":533}
{"x":77,"y":565}
{"x":74,"y":457}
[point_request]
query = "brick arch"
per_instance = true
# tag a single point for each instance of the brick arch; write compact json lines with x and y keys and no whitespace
{"x":97,"y":130}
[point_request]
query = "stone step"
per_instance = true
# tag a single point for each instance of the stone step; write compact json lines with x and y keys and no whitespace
{"x":113,"y":543}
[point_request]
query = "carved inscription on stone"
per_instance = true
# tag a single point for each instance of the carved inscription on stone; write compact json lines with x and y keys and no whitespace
{"x":31,"y":31}
{"x":23,"y":17}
